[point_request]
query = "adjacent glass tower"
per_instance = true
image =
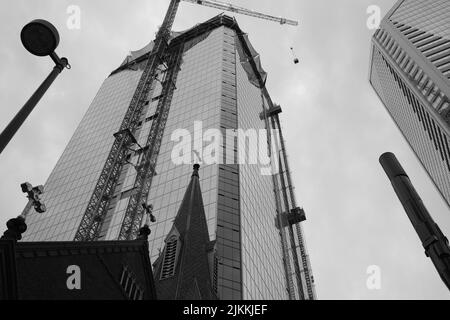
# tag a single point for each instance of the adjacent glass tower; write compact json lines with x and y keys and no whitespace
{"x":214,"y":90}
{"x":410,"y":72}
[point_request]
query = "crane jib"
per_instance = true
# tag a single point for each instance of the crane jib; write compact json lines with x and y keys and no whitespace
{"x":233,"y":8}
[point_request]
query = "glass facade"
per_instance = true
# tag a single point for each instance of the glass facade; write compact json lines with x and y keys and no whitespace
{"x":261,"y":251}
{"x":430,"y":15}
{"x":213,"y":91}
{"x":72,"y":181}
{"x":410,"y":71}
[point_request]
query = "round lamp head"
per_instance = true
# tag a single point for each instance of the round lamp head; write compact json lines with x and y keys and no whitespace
{"x":40,"y":37}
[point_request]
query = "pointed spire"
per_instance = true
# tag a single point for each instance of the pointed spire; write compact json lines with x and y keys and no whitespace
{"x":196,"y":168}
{"x":191,"y":210}
{"x":189,"y":266}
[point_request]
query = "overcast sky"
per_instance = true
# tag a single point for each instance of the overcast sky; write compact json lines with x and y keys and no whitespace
{"x":334,"y":124}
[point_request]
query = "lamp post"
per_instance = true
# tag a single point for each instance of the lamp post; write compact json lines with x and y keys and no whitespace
{"x":40,"y":38}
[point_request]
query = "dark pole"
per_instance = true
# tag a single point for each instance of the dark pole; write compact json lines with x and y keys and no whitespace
{"x":433,"y":240}
{"x":40,"y":38}
{"x":21,"y":116}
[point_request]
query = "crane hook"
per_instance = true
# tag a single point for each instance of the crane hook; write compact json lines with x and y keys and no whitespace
{"x":293,"y":54}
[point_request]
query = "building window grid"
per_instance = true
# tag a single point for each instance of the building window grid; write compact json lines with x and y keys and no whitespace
{"x":430,"y":90}
{"x":432,"y":135}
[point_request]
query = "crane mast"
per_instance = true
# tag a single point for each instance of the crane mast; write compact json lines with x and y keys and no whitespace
{"x":285,"y":172}
{"x":97,"y":207}
{"x":96,"y":211}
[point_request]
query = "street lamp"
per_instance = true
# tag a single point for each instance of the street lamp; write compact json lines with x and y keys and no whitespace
{"x":40,"y":38}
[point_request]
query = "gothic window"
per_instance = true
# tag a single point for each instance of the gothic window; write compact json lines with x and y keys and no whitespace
{"x":170,"y":257}
{"x":129,"y":284}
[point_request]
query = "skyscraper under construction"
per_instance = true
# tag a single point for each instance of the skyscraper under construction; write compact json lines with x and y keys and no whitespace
{"x":410,"y":72}
{"x":118,"y":167}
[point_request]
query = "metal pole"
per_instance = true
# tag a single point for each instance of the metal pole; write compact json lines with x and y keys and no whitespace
{"x":433,"y":240}
{"x":9,"y":132}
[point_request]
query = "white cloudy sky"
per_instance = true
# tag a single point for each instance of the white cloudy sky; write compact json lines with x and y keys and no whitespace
{"x":334,"y":124}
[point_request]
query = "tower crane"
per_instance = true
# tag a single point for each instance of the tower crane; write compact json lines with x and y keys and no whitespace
{"x":96,"y":210}
{"x":233,"y":8}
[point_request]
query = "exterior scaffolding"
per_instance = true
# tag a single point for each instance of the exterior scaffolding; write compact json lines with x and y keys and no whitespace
{"x":279,"y":219}
{"x":294,"y":215}
{"x":146,"y":167}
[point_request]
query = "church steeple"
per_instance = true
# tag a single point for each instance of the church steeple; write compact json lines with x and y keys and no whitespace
{"x":185,"y":269}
